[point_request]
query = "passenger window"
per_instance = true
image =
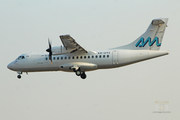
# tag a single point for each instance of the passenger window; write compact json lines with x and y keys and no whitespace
{"x":107,"y":55}
{"x":23,"y":57}
{"x":57,"y":58}
{"x":99,"y":56}
{"x":54,"y":58}
{"x":92,"y":56}
{"x":103,"y":56}
{"x":73,"y":57}
{"x":61,"y":58}
{"x":96,"y":56}
{"x":65,"y":57}
{"x":84,"y":57}
{"x":46,"y":58}
{"x":69,"y":57}
{"x":77,"y":57}
{"x":88,"y":56}
{"x":81,"y":57}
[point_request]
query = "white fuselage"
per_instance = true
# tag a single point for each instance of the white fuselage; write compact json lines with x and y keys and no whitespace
{"x":105,"y":59}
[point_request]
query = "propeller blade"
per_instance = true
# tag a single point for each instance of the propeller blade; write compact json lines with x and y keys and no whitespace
{"x":49,"y":50}
{"x":49,"y":43}
{"x":50,"y":57}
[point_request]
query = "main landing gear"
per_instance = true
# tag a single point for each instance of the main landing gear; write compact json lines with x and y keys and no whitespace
{"x":80,"y":73}
{"x":83,"y":75}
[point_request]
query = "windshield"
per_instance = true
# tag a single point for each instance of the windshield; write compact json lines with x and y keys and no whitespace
{"x":21,"y":57}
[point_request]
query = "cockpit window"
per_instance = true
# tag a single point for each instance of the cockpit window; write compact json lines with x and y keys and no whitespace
{"x":21,"y":57}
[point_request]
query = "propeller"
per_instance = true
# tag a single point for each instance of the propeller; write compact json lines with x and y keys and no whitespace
{"x":49,"y":50}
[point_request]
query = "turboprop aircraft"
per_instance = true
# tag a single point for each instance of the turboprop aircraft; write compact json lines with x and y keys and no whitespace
{"x":71,"y":57}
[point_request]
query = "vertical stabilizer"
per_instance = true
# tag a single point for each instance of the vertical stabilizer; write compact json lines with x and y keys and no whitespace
{"x":151,"y":39}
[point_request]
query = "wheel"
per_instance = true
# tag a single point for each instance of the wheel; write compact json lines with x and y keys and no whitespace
{"x":19,"y":76}
{"x":83,"y":76}
{"x":78,"y":73}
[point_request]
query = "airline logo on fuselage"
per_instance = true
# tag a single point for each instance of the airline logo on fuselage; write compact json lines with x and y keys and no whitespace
{"x":141,"y":42}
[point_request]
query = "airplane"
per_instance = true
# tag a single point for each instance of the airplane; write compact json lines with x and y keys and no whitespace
{"x":71,"y":57}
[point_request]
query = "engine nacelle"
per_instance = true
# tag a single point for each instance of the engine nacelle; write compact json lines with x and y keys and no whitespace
{"x":58,"y":50}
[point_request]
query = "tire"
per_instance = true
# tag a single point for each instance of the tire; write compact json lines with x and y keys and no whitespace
{"x":78,"y":73}
{"x":83,"y":76}
{"x":19,"y":76}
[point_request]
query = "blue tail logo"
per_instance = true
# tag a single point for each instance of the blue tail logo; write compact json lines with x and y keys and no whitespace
{"x":141,"y":42}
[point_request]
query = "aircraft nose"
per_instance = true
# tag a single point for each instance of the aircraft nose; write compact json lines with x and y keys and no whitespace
{"x":9,"y":66}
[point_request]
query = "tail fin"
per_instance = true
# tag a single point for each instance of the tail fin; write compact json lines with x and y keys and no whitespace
{"x":151,"y":39}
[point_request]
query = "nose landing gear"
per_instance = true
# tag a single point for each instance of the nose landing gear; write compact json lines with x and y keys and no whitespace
{"x":19,"y":76}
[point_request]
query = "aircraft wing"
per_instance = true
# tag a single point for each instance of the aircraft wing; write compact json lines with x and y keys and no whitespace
{"x":70,"y":43}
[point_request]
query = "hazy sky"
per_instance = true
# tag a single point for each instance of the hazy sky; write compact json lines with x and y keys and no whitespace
{"x":123,"y":93}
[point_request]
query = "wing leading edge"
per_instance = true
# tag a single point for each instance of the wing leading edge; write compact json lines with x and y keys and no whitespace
{"x":70,"y":43}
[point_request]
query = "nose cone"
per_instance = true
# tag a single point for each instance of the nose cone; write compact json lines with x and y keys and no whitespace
{"x":48,"y":50}
{"x":9,"y":66}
